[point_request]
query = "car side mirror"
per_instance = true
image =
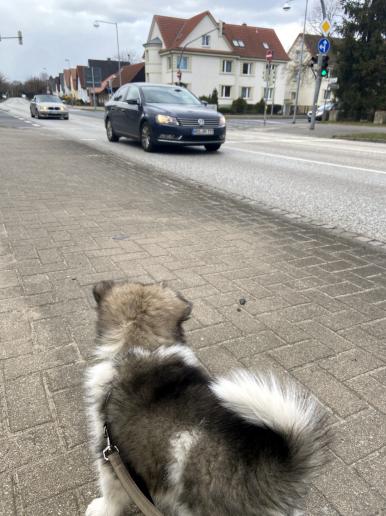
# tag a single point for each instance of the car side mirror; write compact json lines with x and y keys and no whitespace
{"x":204,"y":103}
{"x":134,"y":102}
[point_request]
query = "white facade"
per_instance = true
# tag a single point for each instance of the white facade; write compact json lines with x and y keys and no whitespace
{"x":307,"y":84}
{"x":210,"y":63}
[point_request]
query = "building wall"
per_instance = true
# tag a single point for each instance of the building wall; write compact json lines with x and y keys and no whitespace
{"x":217,"y":41}
{"x":307,"y":84}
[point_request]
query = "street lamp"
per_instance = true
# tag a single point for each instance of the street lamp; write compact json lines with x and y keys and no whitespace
{"x":96,"y":25}
{"x":287,"y":7}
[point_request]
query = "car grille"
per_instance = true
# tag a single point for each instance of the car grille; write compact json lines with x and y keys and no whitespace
{"x":54,"y":108}
{"x":193,"y":122}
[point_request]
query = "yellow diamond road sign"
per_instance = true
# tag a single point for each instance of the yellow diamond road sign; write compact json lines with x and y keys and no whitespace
{"x":326,"y":27}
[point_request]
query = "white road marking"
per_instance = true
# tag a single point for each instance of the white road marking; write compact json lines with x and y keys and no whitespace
{"x":324,"y":163}
{"x":27,"y":122}
{"x":36,"y":125}
{"x":87,"y":139}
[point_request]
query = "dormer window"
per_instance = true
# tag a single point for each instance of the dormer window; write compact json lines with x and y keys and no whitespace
{"x":238,"y":43}
{"x":265,"y":45}
{"x":205,"y":40}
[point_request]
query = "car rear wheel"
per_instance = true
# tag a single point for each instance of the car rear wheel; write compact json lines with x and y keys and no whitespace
{"x":146,"y":139}
{"x":37,"y":114}
{"x":111,"y":135}
{"x":212,"y":147}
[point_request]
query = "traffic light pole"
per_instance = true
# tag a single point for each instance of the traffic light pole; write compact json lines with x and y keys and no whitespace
{"x":318,"y":78}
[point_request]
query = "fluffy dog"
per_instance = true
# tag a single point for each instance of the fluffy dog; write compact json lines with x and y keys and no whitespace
{"x":239,"y":445}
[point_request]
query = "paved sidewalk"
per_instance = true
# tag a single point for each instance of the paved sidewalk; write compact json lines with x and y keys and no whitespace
{"x":315,"y":310}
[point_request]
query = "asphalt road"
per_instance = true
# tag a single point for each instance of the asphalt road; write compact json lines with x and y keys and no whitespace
{"x":336,"y":182}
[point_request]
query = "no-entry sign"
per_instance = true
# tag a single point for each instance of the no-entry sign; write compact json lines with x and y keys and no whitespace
{"x":269,"y":55}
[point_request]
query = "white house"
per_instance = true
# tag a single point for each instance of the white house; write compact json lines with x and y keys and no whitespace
{"x":215,"y":55}
{"x":307,"y":84}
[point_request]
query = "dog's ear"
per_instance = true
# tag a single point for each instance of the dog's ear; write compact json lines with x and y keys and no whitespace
{"x":100,"y":290}
{"x":186,"y":309}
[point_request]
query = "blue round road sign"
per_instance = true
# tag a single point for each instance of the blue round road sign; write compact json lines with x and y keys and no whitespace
{"x":324,"y":46}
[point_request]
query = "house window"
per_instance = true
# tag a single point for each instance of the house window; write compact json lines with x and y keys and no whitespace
{"x":265,"y":45}
{"x":170,"y":62}
{"x":270,"y":92}
{"x":247,"y":68}
{"x":245,"y":92}
{"x":227,"y":66}
{"x":205,"y":40}
{"x":226,"y":91}
{"x":182,"y":63}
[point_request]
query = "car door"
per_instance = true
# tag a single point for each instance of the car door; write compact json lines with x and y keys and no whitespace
{"x":132,"y":111}
{"x":116,"y":110}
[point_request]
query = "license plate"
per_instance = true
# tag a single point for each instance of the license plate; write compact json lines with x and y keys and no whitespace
{"x":201,"y":131}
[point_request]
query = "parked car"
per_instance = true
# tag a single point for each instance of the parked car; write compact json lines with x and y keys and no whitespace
{"x":48,"y":106}
{"x":324,"y":108}
{"x":157,"y":114}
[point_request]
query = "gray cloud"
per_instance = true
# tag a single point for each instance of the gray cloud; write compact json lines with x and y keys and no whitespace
{"x":55,"y":30}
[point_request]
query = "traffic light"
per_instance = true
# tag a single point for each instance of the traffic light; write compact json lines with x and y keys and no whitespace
{"x":324,"y":66}
{"x":20,"y":37}
{"x":313,"y":61}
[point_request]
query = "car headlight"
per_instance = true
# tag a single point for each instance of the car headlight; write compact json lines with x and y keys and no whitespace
{"x":43,"y":108}
{"x":222,"y":121}
{"x":166,"y":120}
{"x":61,"y":108}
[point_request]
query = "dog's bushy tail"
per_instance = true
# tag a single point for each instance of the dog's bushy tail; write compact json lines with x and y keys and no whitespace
{"x":284,"y":409}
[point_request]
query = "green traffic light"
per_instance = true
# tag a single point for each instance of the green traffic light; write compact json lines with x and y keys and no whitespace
{"x":324,"y":73}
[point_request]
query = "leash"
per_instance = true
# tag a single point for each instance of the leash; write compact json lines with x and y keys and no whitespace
{"x":111,"y":454}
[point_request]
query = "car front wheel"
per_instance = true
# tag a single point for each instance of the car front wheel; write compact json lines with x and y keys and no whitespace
{"x":111,"y":135}
{"x":146,"y":139}
{"x":212,"y":147}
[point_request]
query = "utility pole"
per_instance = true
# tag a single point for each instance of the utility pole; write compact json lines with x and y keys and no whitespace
{"x":268,"y":59}
{"x":318,"y":78}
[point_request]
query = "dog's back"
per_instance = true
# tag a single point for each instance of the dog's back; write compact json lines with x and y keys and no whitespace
{"x":241,"y":445}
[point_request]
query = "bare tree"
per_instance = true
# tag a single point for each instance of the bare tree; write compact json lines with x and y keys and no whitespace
{"x":334,"y":14}
{"x":4,"y":84}
{"x":129,"y":55}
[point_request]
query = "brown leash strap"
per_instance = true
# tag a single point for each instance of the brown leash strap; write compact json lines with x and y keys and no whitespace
{"x":131,"y":488}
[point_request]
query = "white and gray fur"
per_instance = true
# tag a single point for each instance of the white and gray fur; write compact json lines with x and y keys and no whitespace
{"x":239,"y":445}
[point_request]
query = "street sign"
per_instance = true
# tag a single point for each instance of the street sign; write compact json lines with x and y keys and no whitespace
{"x":269,"y":55}
{"x":324,"y":46}
{"x":326,"y":27}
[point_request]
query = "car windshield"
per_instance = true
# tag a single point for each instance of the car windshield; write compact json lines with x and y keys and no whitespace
{"x":48,"y":98}
{"x":160,"y":95}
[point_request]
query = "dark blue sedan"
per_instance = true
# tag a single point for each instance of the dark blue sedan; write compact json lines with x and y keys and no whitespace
{"x":158,"y":114}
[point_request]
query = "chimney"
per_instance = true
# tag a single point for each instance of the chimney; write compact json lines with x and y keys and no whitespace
{"x":221,"y":28}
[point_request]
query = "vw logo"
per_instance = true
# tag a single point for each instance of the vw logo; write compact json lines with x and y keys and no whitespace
{"x":201,"y":121}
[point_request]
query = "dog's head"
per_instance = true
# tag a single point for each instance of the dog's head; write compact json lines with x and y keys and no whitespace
{"x":133,"y":314}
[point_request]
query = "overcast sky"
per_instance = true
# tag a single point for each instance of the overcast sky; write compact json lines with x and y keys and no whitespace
{"x":56,"y":30}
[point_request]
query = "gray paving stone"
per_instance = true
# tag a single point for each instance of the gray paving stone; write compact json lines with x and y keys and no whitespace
{"x":14,"y":367}
{"x":330,"y":391}
{"x":66,"y":376}
{"x":36,"y":284}
{"x":359,"y":436}
{"x":7,"y":501}
{"x":250,"y":345}
{"x":370,"y":389}
{"x":27,"y":403}
{"x":47,"y":478}
{"x":14,"y":326}
{"x":70,"y":410}
{"x":8,"y":278}
{"x":373,"y":470}
{"x":61,"y":505}
{"x":25,"y":447}
{"x":301,"y":353}
{"x":218,"y":359}
{"x":212,"y":335}
{"x":348,"y":492}
{"x":48,"y":333}
{"x":351,"y":363}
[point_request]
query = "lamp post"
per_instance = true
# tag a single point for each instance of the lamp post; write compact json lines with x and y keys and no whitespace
{"x":69,"y":67}
{"x":96,"y":25}
{"x":287,"y":7}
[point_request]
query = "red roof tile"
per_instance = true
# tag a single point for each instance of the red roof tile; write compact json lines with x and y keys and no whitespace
{"x":129,"y":73}
{"x":175,"y":30}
